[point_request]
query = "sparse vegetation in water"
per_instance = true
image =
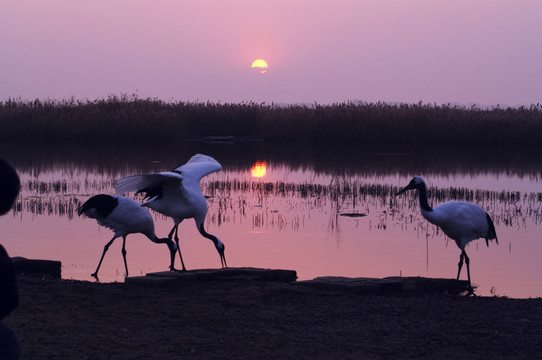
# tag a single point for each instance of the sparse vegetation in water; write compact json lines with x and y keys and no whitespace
{"x":346,"y":198}
{"x":129,"y":117}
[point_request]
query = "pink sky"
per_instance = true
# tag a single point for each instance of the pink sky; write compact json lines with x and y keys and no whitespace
{"x":484,"y":51}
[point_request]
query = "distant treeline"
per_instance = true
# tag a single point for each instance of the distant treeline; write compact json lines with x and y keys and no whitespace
{"x":129,"y":117}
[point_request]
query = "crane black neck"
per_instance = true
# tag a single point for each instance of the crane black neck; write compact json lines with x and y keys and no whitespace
{"x":424,"y":204}
{"x":158,"y":240}
{"x":204,"y":233}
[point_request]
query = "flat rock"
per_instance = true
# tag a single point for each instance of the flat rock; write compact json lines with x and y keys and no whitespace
{"x":238,"y":274}
{"x":387,"y":285}
{"x":23,"y":265}
{"x":360,"y":285}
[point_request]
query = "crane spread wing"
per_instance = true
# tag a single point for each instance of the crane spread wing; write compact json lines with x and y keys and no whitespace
{"x":147,"y":181}
{"x":198,"y":166}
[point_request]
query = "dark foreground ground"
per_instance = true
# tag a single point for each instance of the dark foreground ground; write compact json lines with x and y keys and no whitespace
{"x":61,"y":319}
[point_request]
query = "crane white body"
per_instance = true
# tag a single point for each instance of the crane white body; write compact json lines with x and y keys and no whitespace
{"x":461,"y":221}
{"x":128,"y":217}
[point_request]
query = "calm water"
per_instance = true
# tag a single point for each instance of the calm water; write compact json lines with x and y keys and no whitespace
{"x":284,"y":207}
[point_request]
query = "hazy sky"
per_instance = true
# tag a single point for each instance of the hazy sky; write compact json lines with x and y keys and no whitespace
{"x":467,"y":51}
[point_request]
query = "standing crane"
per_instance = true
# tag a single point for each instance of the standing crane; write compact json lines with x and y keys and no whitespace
{"x":461,"y":221}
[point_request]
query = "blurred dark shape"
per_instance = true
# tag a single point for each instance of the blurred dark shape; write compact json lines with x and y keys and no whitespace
{"x":8,"y":285}
{"x":9,"y":186}
{"x":9,"y":299}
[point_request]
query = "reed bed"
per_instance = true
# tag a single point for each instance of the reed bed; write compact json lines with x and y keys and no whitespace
{"x":231,"y":197}
{"x":510,"y":208}
{"x":128,"y":117}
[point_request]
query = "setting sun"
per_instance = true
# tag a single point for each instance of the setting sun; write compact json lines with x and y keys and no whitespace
{"x":260,"y":65}
{"x":259,"y":169}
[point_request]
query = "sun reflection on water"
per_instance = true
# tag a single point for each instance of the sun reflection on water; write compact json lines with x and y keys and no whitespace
{"x":259,"y":169}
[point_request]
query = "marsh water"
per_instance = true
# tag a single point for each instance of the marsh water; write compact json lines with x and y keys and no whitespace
{"x":319,"y":210}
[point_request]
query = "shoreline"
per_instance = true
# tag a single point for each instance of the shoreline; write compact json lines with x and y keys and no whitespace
{"x":264,"y":319}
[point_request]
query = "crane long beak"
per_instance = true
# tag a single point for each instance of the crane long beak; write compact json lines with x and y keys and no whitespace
{"x":406,"y":188}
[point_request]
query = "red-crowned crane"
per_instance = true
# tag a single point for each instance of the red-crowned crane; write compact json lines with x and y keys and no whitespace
{"x":124,"y":216}
{"x":461,"y":221}
{"x":177,"y":194}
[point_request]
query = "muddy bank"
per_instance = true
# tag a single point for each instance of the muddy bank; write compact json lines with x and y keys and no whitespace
{"x":264,"y":319}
